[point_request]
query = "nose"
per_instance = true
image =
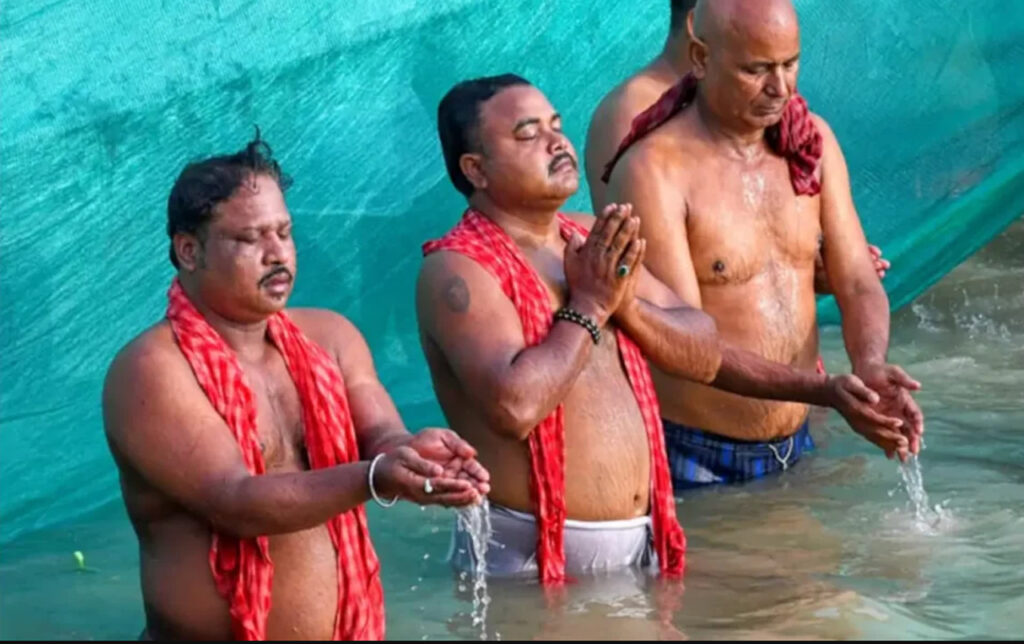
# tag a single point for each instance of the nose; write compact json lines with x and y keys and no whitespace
{"x":775,"y":84}
{"x":277,"y":250}
{"x":557,"y":143}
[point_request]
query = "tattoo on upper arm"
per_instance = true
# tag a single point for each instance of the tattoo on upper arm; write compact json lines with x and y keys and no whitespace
{"x":456,"y":294}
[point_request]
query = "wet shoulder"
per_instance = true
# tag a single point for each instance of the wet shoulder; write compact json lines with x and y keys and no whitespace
{"x":668,"y":153}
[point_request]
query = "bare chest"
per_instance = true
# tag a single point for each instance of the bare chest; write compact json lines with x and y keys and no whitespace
{"x":550,"y":267}
{"x":278,"y":415}
{"x":746,"y":221}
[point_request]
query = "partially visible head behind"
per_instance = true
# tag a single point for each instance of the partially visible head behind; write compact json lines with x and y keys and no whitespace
{"x":501,"y":136}
{"x":230,"y":232}
{"x":746,"y":55}
{"x":680,"y":8}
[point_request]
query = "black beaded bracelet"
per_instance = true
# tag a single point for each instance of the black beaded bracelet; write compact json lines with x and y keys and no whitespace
{"x":565,"y":313}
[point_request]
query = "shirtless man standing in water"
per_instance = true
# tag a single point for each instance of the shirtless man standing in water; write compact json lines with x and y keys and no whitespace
{"x":195,"y":470}
{"x":728,"y":233}
{"x":536,"y":325}
{"x":615,"y":113}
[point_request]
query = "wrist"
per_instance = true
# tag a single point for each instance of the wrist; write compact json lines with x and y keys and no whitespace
{"x":628,"y":312}
{"x":391,"y":441}
{"x":373,"y":481}
{"x":868,"y":365}
{"x":585,"y":322}
{"x":871,"y":360}
{"x":823,"y":394}
{"x":828,"y":395}
{"x":589,"y":308}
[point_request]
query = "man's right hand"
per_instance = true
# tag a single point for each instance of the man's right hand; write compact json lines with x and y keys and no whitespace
{"x":592,"y":266}
{"x":403,"y":472}
{"x":856,"y":402}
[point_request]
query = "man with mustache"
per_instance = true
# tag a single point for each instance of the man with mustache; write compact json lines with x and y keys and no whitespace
{"x":248,"y":437}
{"x":537,"y":327}
{"x":736,"y":184}
{"x":615,"y":113}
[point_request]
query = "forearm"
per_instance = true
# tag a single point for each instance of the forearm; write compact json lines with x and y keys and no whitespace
{"x":681,"y":341}
{"x":280,"y":503}
{"x":539,"y":379}
{"x":748,"y":374}
{"x":864,"y":308}
{"x":385,"y":438}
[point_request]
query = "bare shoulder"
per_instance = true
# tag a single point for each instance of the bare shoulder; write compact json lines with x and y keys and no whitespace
{"x":641,"y":91}
{"x":827,"y":135}
{"x":150,"y":367}
{"x":833,"y":163}
{"x":453,"y":290}
{"x":329,"y":329}
{"x":661,"y":158}
{"x":616,"y":111}
{"x":147,"y":357}
{"x":444,"y":269}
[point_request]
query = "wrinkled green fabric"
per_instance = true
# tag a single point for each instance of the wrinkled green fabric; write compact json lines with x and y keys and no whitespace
{"x":103,"y":102}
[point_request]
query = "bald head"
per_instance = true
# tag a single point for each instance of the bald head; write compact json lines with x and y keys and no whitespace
{"x":745,"y":54}
{"x":731,"y":22}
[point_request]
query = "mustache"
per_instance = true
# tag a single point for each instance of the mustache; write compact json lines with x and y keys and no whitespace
{"x":558,"y":159}
{"x":274,"y":272}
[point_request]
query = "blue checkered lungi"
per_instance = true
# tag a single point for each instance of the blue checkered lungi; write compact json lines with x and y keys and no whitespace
{"x":698,"y":458}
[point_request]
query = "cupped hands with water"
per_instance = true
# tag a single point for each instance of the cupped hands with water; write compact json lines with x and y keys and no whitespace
{"x":435,"y":467}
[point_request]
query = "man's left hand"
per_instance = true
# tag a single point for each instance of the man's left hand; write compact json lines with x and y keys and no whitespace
{"x":893,"y":386}
{"x":455,"y":455}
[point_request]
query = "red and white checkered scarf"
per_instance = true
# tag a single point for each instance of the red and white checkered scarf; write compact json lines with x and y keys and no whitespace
{"x":483,"y":241}
{"x":795,"y":138}
{"x":242,"y":568}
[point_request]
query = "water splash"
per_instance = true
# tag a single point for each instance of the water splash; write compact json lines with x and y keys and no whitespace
{"x":927,"y":318}
{"x":928,"y":519}
{"x":476,"y":521}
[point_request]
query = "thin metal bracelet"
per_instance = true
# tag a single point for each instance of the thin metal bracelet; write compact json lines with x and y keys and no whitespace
{"x":373,"y":492}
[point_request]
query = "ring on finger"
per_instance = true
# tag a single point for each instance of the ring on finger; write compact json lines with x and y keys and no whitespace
{"x":622,"y":270}
{"x":428,"y":488}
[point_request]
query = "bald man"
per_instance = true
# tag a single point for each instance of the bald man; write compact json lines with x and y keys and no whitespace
{"x":733,"y":221}
{"x":616,"y":111}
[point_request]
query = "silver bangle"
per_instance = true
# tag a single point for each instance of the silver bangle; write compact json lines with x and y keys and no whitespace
{"x":369,"y":480}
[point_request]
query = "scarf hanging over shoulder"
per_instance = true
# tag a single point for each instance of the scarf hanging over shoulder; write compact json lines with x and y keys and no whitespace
{"x":795,"y":137}
{"x":483,"y":241}
{"x":242,"y":568}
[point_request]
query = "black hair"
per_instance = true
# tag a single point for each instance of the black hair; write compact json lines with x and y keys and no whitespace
{"x":458,"y":117}
{"x":205,"y":183}
{"x":679,"y":10}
